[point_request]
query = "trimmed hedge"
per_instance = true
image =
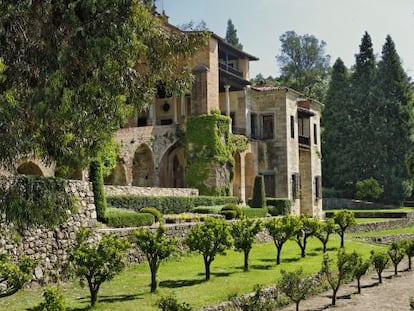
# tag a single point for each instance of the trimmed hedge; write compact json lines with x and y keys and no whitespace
{"x":215,"y":209}
{"x":277,"y":206}
{"x":229,"y":214}
{"x":258,"y":200}
{"x":232,"y":207}
{"x":254,"y":212}
{"x":152,"y":210}
{"x":166,"y":204}
{"x":118,"y":218}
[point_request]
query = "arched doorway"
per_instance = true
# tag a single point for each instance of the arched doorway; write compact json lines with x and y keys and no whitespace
{"x":117,"y":177}
{"x":143,"y":167}
{"x":29,"y":168}
{"x":249,"y":174}
{"x":172,"y":168}
{"x":237,"y":177}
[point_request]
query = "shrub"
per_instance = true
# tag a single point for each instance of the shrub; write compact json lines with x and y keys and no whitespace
{"x":233,"y":207}
{"x":229,"y":214}
{"x":279,"y":206}
{"x":368,"y":189}
{"x":215,"y":209}
{"x":13,"y":276}
{"x":96,"y":176}
{"x":254,"y":212}
{"x":212,"y":200}
{"x":117,"y":217}
{"x":53,"y":300}
{"x":258,"y":200}
{"x":152,"y":210}
{"x":170,"y":303}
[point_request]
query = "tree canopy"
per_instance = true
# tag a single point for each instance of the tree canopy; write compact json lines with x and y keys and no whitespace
{"x":71,"y":72}
{"x":304,"y":63}
{"x":231,"y":35}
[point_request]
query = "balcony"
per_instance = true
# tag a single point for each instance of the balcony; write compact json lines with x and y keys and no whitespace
{"x":230,"y":69}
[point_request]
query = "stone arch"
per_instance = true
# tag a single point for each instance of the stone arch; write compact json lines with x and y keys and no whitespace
{"x":30,"y":168}
{"x":249,"y":174}
{"x":143,"y":167}
{"x":237,"y":177}
{"x":172,"y":168}
{"x":118,"y":176}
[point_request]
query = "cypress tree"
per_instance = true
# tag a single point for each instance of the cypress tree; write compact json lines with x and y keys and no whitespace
{"x":259,"y":196}
{"x":231,"y":35}
{"x":361,"y":147}
{"x":334,"y":122}
{"x":96,"y":177}
{"x":394,"y":123}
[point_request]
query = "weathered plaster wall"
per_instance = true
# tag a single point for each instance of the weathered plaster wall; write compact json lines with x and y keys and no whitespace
{"x":150,"y":191}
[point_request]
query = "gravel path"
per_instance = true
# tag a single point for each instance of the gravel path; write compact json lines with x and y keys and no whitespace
{"x":392,"y":295}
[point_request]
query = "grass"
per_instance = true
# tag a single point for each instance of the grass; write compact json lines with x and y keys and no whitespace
{"x":184,"y":277}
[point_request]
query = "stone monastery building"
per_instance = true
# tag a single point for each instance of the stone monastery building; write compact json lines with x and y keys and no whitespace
{"x":282,"y":128}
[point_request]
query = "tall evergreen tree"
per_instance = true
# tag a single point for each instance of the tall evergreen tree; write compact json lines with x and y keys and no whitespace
{"x":393,"y":96}
{"x":335,"y":121}
{"x":361,"y":148}
{"x":231,"y":35}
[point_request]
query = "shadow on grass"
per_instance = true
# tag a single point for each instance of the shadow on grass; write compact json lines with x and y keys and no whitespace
{"x":180,"y":283}
{"x":105,"y":299}
{"x":261,"y":267}
{"x":268,"y":260}
{"x":328,"y":249}
{"x":294,"y":259}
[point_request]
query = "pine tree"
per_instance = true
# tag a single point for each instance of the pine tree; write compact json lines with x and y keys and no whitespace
{"x":361,"y":149}
{"x":334,"y":121}
{"x":231,"y":35}
{"x":393,"y":96}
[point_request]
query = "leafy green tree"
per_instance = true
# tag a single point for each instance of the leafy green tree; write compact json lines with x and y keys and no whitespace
{"x":368,"y":189}
{"x":304,"y":64}
{"x":344,"y":219}
{"x":326,"y":228}
{"x":13,"y":276}
{"x":170,"y":303}
{"x":156,"y":247}
{"x":231,"y":35}
{"x":281,"y":230}
{"x":97,"y":262}
{"x":244,"y":233}
{"x":211,"y":238}
{"x":308,"y":228}
{"x":53,"y":300}
{"x":361,"y":267}
{"x":338,"y":275}
{"x":335,"y":124}
{"x":379,"y":260}
{"x":296,"y":286}
{"x":76,"y":70}
{"x":409,"y":250}
{"x":396,"y":252}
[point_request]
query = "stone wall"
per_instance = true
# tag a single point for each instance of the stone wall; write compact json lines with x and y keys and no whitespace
{"x":49,"y":247}
{"x":150,"y":191}
{"x":339,"y":203}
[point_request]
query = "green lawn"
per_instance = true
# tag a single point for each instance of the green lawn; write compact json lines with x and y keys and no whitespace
{"x":184,"y":277}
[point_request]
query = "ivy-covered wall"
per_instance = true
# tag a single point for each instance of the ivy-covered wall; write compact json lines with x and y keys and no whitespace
{"x":209,"y":149}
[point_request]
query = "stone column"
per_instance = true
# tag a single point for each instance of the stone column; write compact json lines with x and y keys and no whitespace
{"x":227,"y":88}
{"x":183,"y":108}
{"x":247,"y":114}
{"x":174,"y":104}
{"x":243,"y":178}
{"x":152,"y":115}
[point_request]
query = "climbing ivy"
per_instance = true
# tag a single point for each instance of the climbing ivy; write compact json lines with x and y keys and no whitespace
{"x":208,"y":145}
{"x":34,"y":201}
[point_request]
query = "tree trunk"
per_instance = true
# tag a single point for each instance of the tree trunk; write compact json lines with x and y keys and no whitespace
{"x":359,"y":285}
{"x":153,"y":278}
{"x":207,"y":268}
{"x":334,"y":297}
{"x":379,"y":277}
{"x":324,"y":246}
{"x":279,"y":250}
{"x":409,"y":262}
{"x":304,"y":248}
{"x":297,"y":305}
{"x":93,"y":290}
{"x":246,"y":260}
{"x":342,"y":234}
{"x":395,"y":269}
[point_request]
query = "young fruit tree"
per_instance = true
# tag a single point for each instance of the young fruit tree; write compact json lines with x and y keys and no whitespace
{"x":361,"y":267}
{"x":97,"y":262}
{"x":379,"y":260}
{"x":326,"y":228}
{"x":210,"y":239}
{"x":244,"y":233}
{"x":281,"y":230}
{"x":409,"y":250}
{"x":156,"y":247}
{"x":308,"y":228}
{"x":396,"y":252}
{"x":344,"y":219}
{"x":336,"y":276}
{"x":14,"y":275}
{"x":296,"y":286}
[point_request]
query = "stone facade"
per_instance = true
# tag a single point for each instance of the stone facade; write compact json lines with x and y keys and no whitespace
{"x":50,"y":247}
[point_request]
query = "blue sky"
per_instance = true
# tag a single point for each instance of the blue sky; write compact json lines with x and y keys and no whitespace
{"x":340,"y":23}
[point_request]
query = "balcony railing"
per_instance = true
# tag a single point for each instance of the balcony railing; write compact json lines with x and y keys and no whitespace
{"x":230,"y":69}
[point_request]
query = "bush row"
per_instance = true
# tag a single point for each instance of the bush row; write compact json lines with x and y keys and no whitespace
{"x":118,"y":218}
{"x":166,"y":204}
{"x":276,"y":206}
